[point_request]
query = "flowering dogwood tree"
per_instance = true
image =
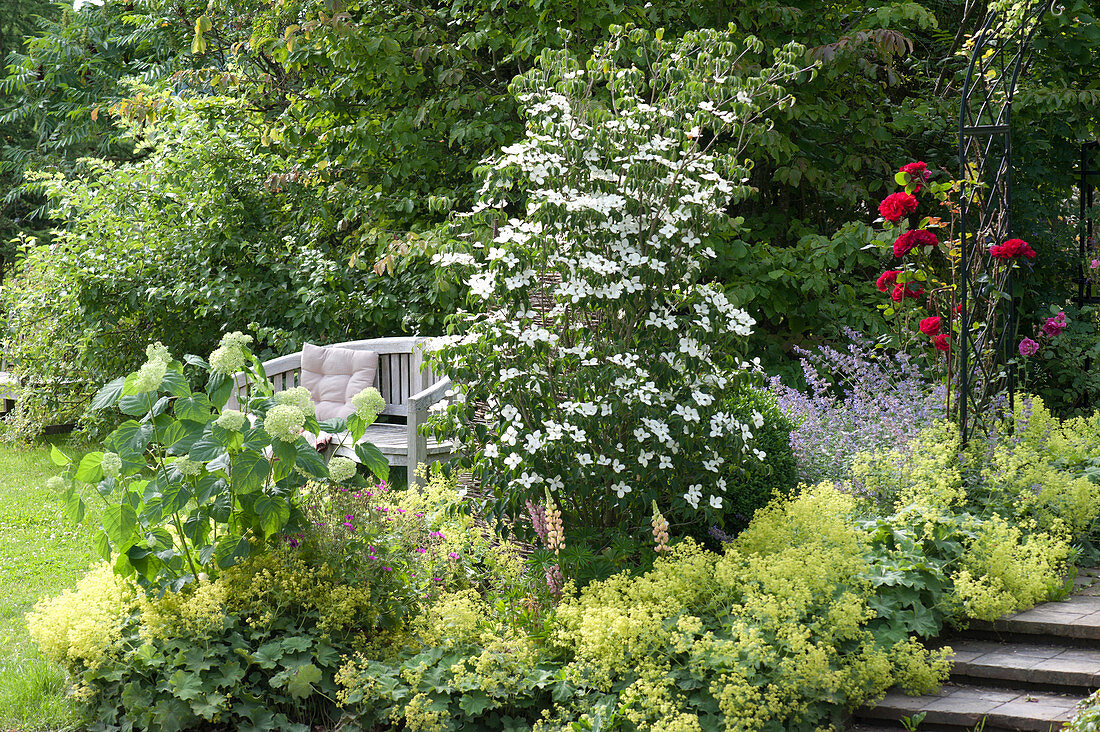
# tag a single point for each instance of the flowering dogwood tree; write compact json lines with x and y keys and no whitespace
{"x":598,"y":367}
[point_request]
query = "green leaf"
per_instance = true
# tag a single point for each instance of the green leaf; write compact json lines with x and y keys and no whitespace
{"x":335,"y":425}
{"x":310,"y":461}
{"x":108,"y":396}
{"x":273,"y":513}
{"x":129,"y":440}
{"x":174,"y":384}
{"x":474,"y":703}
{"x":206,"y":449}
{"x":248,"y":471}
{"x":102,"y":545}
{"x":218,"y":388}
{"x":285,"y":455}
{"x":136,"y":405}
{"x":231,"y":550}
{"x":256,"y":438}
{"x":74,"y":505}
{"x":119,"y":522}
{"x":372,"y":457}
{"x":195,"y":408}
{"x":89,"y":470}
{"x":301,"y":682}
{"x":187,"y":685}
{"x":59,"y":458}
{"x":181,"y":436}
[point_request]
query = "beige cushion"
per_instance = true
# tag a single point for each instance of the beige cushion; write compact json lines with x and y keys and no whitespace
{"x":334,"y":375}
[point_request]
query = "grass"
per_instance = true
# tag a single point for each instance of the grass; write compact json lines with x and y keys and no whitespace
{"x":42,"y":553}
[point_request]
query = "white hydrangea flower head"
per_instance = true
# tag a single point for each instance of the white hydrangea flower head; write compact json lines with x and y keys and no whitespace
{"x":158,"y":352}
{"x":341,"y":469}
{"x":56,"y":483}
{"x":232,"y":353}
{"x":284,"y":422}
{"x":188,"y":467}
{"x":231,"y":420}
{"x":149,"y":376}
{"x":111,"y":464}
{"x":368,"y":404}
{"x":298,"y":396}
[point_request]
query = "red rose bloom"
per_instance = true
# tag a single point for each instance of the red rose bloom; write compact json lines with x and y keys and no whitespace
{"x":1012,"y":249}
{"x":887,"y":279}
{"x":958,"y":308}
{"x":896,"y":205}
{"x":914,"y":238}
{"x":901,"y":292}
{"x":942,"y":342}
{"x":918,"y":172}
{"x":930,"y":326}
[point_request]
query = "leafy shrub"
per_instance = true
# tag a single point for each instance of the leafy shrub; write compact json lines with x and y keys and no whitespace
{"x":860,"y":400}
{"x":220,"y":222}
{"x":189,"y":486}
{"x":1065,"y":371}
{"x":595,"y":328}
{"x":256,"y":648}
{"x":997,"y":520}
{"x":754,"y":488}
{"x":1087,"y":718}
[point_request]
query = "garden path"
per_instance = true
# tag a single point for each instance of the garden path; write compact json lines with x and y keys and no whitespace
{"x":1022,"y":673}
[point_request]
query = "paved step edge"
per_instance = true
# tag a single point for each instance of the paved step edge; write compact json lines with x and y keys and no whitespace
{"x":1015,"y":713}
{"x":1008,"y":628}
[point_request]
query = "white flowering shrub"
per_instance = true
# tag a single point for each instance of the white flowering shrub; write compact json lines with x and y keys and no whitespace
{"x":189,"y":487}
{"x":598,"y":366}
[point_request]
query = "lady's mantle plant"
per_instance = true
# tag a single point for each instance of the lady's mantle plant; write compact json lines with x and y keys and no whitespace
{"x":189,"y":486}
{"x":600,"y":366}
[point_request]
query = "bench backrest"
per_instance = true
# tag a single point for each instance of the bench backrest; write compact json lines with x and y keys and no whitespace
{"x":400,"y":361}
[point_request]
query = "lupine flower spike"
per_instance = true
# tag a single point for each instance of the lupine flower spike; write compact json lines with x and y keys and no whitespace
{"x":660,"y":530}
{"x":555,"y":537}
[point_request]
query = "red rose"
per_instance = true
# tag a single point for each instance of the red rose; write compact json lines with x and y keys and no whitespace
{"x":907,"y":290}
{"x":887,"y":279}
{"x":942,"y":342}
{"x":896,"y":205}
{"x":1012,"y":249}
{"x":958,"y":308}
{"x":914,"y":238}
{"x":930,"y":326}
{"x":918,"y":173}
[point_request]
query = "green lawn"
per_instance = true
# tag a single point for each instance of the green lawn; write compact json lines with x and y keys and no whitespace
{"x":42,"y":553}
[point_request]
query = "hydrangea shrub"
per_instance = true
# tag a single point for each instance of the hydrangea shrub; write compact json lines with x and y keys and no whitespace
{"x":189,"y":486}
{"x":597,"y":364}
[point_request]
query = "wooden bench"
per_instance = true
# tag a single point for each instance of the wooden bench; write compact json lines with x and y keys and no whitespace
{"x":408,"y":387}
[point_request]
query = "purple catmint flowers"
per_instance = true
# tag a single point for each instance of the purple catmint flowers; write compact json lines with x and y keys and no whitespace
{"x":859,"y":400}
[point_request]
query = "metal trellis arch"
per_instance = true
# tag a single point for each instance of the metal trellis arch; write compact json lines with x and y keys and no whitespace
{"x":1001,"y":51}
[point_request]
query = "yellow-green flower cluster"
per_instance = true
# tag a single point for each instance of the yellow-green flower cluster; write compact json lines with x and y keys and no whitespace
{"x":298,"y":396}
{"x":82,"y":627}
{"x":341,"y":469}
{"x":368,"y":404}
{"x":232,"y":353}
{"x":284,"y":422}
{"x":231,"y":420}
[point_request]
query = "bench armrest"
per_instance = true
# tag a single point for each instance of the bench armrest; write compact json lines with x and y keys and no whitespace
{"x":426,"y":398}
{"x":418,"y":413}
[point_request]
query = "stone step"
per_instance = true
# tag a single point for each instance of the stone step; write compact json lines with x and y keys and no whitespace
{"x":1075,"y":619}
{"x":1053,"y":667}
{"x":961,"y":707}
